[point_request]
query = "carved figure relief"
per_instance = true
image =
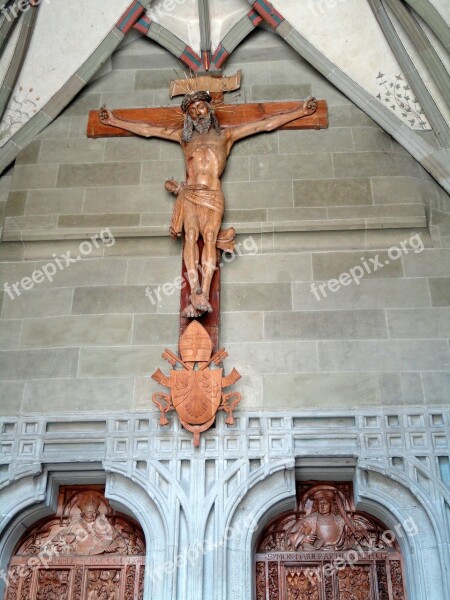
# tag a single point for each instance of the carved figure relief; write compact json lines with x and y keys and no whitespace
{"x":206,"y":145}
{"x":325,"y":520}
{"x":84,"y":552}
{"x":313,"y":545}
{"x":89,"y":530}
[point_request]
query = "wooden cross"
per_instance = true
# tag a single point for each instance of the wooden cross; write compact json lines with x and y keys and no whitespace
{"x":217,"y":86}
{"x":229,"y":115}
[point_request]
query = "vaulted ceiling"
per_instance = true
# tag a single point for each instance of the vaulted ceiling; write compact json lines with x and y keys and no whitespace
{"x":390,"y":57}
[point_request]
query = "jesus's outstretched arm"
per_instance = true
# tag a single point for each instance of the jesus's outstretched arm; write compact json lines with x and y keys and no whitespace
{"x":270,"y":123}
{"x":139,"y":127}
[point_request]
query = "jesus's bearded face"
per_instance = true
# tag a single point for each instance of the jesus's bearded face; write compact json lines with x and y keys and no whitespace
{"x":200,"y":115}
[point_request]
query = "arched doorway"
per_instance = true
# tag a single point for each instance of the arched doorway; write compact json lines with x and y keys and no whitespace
{"x":325,"y":550}
{"x":86,"y":551}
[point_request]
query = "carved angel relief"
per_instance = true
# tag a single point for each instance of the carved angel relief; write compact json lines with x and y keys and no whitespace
{"x":326,"y":550}
{"x":85,"y":552}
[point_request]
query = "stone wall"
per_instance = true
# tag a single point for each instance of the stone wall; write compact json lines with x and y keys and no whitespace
{"x":308,"y":206}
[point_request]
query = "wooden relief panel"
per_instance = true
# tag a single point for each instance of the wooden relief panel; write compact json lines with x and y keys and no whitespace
{"x":354,"y":583}
{"x":328,"y":588}
{"x":77,"y":592}
{"x":260,"y":581}
{"x":53,"y":584}
{"x":86,"y":551}
{"x":328,"y":551}
{"x":300,"y":585}
{"x":397,"y":581}
{"x":104,"y":584}
{"x":383,"y":589}
{"x":130,"y":583}
{"x":273,"y":583}
{"x":13,"y":589}
{"x":141,"y":580}
{"x":87,"y":526}
{"x":25,"y":590}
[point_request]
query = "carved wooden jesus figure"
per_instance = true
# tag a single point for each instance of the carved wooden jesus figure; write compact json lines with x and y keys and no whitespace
{"x":200,"y":203}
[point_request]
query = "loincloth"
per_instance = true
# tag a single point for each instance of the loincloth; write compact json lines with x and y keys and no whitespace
{"x":200,"y":195}
{"x":203,"y":197}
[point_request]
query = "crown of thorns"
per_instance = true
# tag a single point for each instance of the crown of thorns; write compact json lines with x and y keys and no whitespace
{"x":195,"y":97}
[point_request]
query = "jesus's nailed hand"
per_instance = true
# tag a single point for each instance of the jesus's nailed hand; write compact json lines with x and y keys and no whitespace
{"x":310,"y":105}
{"x":105,"y":115}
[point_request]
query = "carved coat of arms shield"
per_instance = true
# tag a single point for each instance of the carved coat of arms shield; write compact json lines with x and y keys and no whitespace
{"x":196,"y":391}
{"x":196,"y":395}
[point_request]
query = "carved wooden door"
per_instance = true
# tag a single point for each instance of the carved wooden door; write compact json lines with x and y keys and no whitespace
{"x":327,"y":551}
{"x":86,"y":551}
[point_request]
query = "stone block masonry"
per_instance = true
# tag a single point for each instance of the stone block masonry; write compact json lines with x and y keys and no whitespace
{"x":315,"y":204}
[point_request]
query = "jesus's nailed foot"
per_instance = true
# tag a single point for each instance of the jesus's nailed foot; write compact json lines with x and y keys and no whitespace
{"x":200,"y":302}
{"x":190,"y":312}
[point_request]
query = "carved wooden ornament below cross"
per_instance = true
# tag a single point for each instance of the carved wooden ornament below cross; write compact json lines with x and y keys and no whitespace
{"x":206,"y":128}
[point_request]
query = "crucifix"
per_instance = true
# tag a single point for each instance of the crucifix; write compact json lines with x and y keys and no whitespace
{"x":206,"y":128}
